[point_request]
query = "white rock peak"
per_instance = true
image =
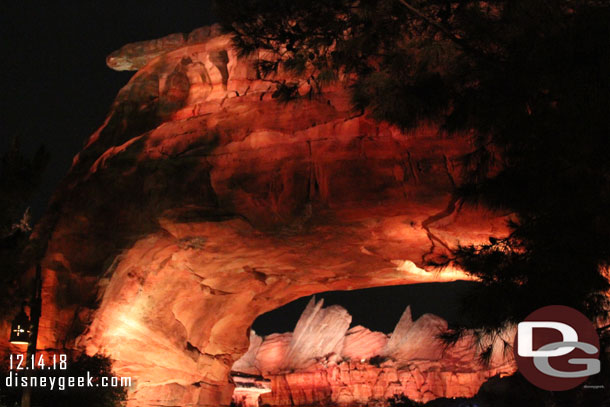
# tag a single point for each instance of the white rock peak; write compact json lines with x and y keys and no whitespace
{"x":318,"y":333}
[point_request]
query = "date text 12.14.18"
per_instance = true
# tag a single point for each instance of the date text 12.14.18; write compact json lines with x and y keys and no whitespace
{"x":52,"y":362}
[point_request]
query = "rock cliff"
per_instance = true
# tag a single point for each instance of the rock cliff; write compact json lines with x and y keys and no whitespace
{"x":202,"y":202}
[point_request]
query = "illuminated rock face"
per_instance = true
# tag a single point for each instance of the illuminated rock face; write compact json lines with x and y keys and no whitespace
{"x":360,"y":343}
{"x":203,"y":202}
{"x":416,"y":339}
{"x":319,"y":332}
{"x":358,"y":383}
{"x":359,"y":367}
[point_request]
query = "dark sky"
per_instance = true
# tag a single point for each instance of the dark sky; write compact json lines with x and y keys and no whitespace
{"x":56,"y":87}
{"x":378,"y":308}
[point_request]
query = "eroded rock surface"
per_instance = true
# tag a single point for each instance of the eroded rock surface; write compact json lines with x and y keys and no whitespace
{"x":416,"y":340}
{"x":369,"y":367}
{"x":319,"y":332}
{"x":203,"y":202}
{"x":361,"y":343}
{"x":247,"y":363}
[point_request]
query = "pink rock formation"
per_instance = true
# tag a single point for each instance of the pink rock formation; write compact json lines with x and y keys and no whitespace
{"x":360,"y":343}
{"x":415,"y":363}
{"x":247,"y":363}
{"x":319,"y":333}
{"x":202,"y":202}
{"x":272,"y":353}
{"x":416,"y":340}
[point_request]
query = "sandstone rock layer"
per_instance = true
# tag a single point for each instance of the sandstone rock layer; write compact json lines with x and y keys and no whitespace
{"x":203,"y":202}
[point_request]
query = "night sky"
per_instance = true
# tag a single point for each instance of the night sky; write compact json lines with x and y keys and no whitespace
{"x":57,"y":90}
{"x":56,"y":87}
{"x":377,"y":308}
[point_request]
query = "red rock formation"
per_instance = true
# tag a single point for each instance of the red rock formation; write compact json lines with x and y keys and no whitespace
{"x":272,"y":353}
{"x":249,"y":389}
{"x":413,"y":362}
{"x":203,"y":202}
{"x":362,"y":344}
{"x":357,"y":383}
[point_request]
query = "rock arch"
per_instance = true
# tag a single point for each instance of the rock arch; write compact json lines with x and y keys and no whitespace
{"x":175,"y":228}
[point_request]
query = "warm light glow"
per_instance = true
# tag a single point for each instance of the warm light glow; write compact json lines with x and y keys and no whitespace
{"x":18,"y":331}
{"x":446,"y":274}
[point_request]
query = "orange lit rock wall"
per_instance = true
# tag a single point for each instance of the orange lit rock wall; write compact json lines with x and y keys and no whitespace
{"x":202,"y":202}
{"x":356,"y":383}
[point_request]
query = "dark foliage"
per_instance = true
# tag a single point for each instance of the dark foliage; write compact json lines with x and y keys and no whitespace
{"x":20,"y":176}
{"x":528,"y":78}
{"x":402,"y":401}
{"x":97,"y":366}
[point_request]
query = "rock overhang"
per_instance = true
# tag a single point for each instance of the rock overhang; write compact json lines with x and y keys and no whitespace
{"x":203,"y":202}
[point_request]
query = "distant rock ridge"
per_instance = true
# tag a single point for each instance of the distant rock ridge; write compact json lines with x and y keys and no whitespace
{"x":135,"y":55}
{"x":324,"y":362}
